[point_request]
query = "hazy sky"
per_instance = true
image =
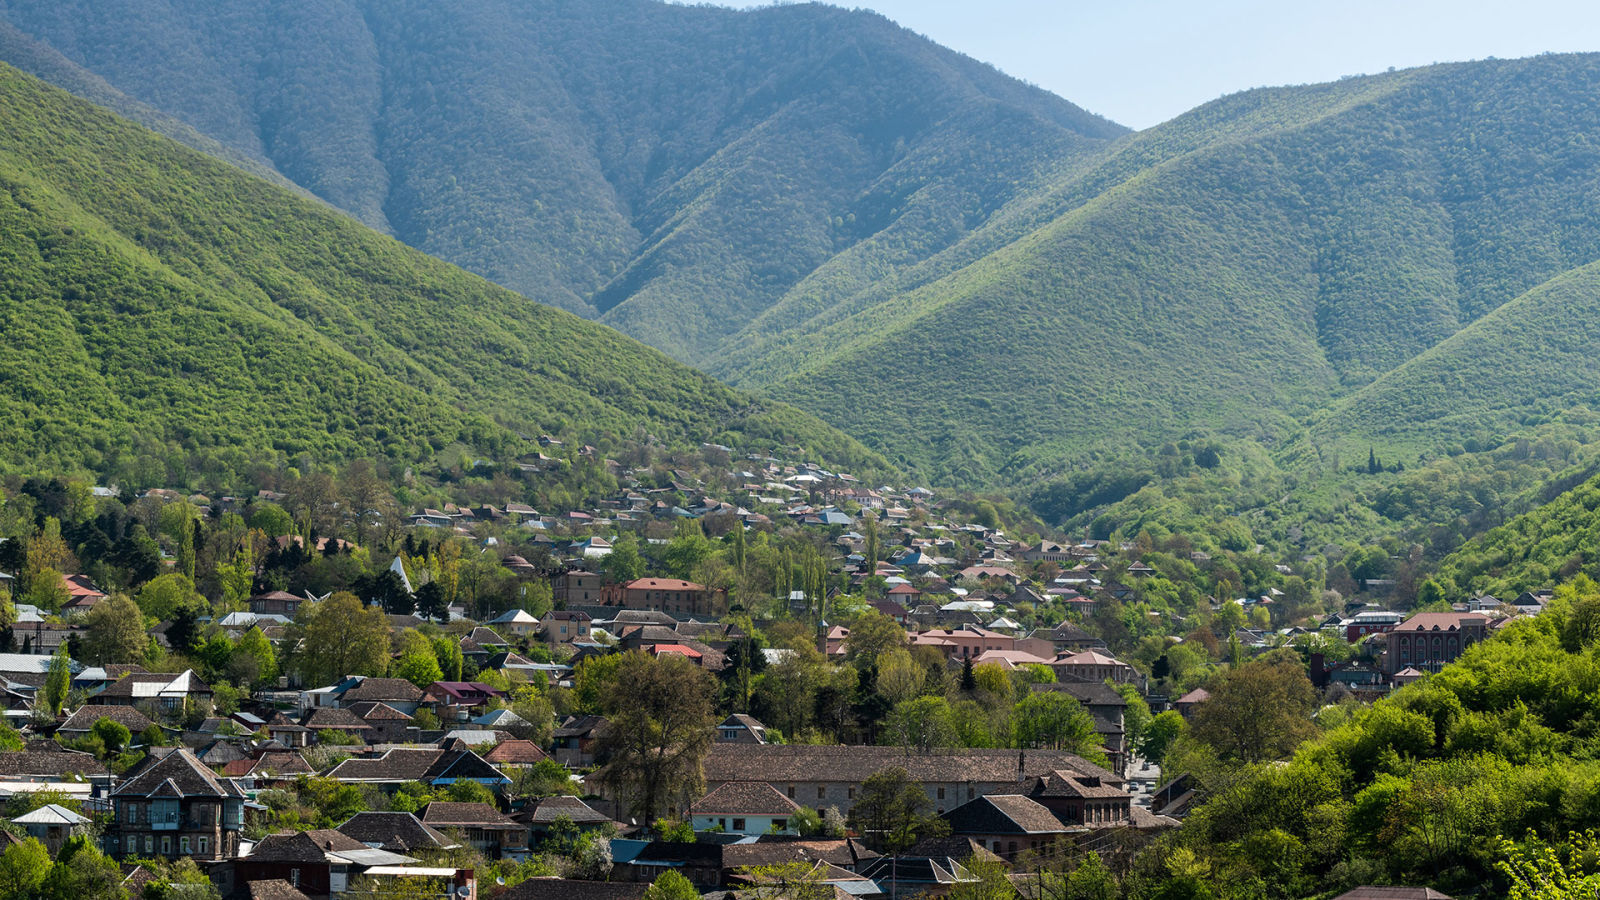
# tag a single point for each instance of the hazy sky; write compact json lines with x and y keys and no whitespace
{"x":1141,"y":62}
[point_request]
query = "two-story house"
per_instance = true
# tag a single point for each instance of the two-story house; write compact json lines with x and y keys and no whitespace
{"x":171,"y":805}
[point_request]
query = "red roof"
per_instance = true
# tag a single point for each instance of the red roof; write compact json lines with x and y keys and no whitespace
{"x":690,"y":652}
{"x":1441,"y":621}
{"x":663,"y":584}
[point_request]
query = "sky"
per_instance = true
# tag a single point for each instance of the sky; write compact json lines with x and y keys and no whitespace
{"x":1141,"y":62}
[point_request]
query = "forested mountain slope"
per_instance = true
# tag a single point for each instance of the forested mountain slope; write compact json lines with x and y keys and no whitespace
{"x":158,"y":304}
{"x":1243,"y":268}
{"x":673,"y":169}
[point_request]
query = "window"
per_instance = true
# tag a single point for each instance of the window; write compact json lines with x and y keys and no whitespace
{"x":821,"y":792}
{"x":971,"y":792}
{"x":183,"y":845}
{"x":205,"y":846}
{"x":738,"y":824}
{"x":941,"y":793}
{"x":780,"y":824}
{"x":149,"y":844}
{"x":852,"y":793}
{"x":294,"y":877}
{"x":730,"y":734}
{"x":791,"y":792}
{"x":166,"y":845}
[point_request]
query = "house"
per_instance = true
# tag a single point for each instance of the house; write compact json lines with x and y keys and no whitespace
{"x":670,"y":595}
{"x":1371,"y":621}
{"x":386,"y":725}
{"x":575,"y":740}
{"x":454,"y":701}
{"x":576,"y":586}
{"x":517,"y":622}
{"x":542,"y":815}
{"x":171,"y":805}
{"x":1078,"y":797}
{"x":166,"y":691}
{"x":481,"y":826}
{"x":1187,"y":703}
{"x":341,"y":720}
{"x":47,"y":764}
{"x":1094,"y":666}
{"x":52,"y":824}
{"x":277,"y":603}
{"x":396,"y":693}
{"x":1427,"y":641}
{"x":431,"y":766}
{"x":515,"y":754}
{"x":318,"y":863}
{"x":741,"y":729}
{"x":1108,"y":708}
{"x":744,"y":807}
{"x":566,"y":626}
{"x":824,"y":776}
{"x":969,"y":642}
{"x":1008,"y":824}
{"x":82,"y":595}
{"x":1068,"y":637}
{"x":82,"y":720}
{"x":396,"y":832}
{"x":1392,"y":892}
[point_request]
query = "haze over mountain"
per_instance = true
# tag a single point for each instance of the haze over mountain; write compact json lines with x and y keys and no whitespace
{"x":160,"y":305}
{"x":974,"y":276}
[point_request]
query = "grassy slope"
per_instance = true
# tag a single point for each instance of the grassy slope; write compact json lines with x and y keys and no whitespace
{"x":155,"y":301}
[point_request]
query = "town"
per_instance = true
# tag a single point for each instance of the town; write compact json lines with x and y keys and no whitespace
{"x":725,"y":674}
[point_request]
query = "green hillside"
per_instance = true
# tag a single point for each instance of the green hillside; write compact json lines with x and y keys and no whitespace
{"x":159,"y":305}
{"x":1242,"y":269}
{"x":673,"y":169}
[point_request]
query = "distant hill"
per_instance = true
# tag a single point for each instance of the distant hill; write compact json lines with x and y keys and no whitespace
{"x":160,"y":306}
{"x":1354,"y":257}
{"x":674,"y":170}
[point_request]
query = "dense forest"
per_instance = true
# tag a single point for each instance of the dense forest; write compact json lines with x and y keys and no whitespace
{"x":165,"y":312}
{"x":672,"y":169}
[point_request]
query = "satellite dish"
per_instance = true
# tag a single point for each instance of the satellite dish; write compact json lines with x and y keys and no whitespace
{"x":500,"y":880}
{"x":466,"y":890}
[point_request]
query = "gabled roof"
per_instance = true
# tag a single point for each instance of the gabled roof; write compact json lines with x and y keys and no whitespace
{"x":546,"y":811}
{"x":84,"y":718}
{"x":663,"y":584}
{"x":744,"y":798}
{"x":1003,"y":814}
{"x":322,"y":846}
{"x":274,"y":889}
{"x":373,"y":711}
{"x":48,"y":759}
{"x":427,"y":765}
{"x":330,"y":717}
{"x":441,"y":814}
{"x":397,"y":832}
{"x":515,"y":752}
{"x":51,"y":814}
{"x":176,"y":773}
{"x":383,"y":690}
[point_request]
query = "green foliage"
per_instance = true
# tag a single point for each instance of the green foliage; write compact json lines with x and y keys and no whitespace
{"x":134,"y":307}
{"x":23,"y":867}
{"x":671,"y":885}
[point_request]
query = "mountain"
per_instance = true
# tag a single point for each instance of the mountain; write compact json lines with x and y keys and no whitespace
{"x":983,"y":282}
{"x":672,"y":170}
{"x":1294,"y":266}
{"x":164,"y":309}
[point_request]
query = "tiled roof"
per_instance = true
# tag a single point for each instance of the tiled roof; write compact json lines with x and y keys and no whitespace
{"x":546,"y":811}
{"x":805,"y":763}
{"x":175,"y":773}
{"x":1003,"y":814}
{"x":744,"y":798}
{"x":516,"y":752}
{"x":417,"y":764}
{"x":85,"y":717}
{"x":373,"y":711}
{"x":49,"y":759}
{"x":399,"y":832}
{"x":328,"y":717}
{"x":282,"y":762}
{"x":765,"y":853}
{"x":275,"y":889}
{"x":1073,"y":784}
{"x":383,"y":689}
{"x":303,"y":846}
{"x":1441,"y":621}
{"x":441,"y":814}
